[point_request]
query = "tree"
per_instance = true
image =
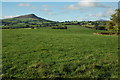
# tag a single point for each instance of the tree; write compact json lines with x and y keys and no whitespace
{"x":116,"y":17}
{"x":110,"y":26}
{"x":114,"y":24}
{"x":27,"y":26}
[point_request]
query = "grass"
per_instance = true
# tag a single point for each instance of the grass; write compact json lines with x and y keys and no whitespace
{"x":48,"y":53}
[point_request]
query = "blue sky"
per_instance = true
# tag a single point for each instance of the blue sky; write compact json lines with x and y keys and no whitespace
{"x":61,"y":11}
{"x":57,"y":0}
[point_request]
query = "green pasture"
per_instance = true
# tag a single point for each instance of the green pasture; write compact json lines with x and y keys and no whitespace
{"x":68,"y":53}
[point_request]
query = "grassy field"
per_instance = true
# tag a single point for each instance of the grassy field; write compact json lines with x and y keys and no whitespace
{"x":48,"y":53}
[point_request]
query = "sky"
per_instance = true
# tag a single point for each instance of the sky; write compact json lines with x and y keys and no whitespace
{"x":61,"y":11}
{"x":59,"y":0}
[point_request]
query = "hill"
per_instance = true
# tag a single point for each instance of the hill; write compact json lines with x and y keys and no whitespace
{"x":32,"y":16}
{"x":28,"y":16}
{"x":23,"y":20}
{"x":102,"y":20}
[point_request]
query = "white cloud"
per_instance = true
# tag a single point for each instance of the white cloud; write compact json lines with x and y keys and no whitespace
{"x":85,"y":3}
{"x":44,"y":6}
{"x":27,"y":5}
{"x":106,"y":13}
{"x":50,"y":13}
{"x":8,"y":17}
{"x":46,"y":9}
{"x":97,"y":15}
{"x":91,"y":3}
{"x":72,"y":7}
{"x":33,"y":7}
{"x":24,"y":5}
{"x":109,"y":11}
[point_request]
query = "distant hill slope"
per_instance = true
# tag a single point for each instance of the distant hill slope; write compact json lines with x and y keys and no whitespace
{"x":28,"y":16}
{"x":32,"y":16}
{"x":102,"y":20}
{"x":30,"y":19}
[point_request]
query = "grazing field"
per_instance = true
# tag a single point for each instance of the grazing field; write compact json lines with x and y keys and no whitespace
{"x":69,"y":53}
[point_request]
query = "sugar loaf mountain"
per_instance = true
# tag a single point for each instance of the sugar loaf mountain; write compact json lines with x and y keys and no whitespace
{"x":25,"y":21}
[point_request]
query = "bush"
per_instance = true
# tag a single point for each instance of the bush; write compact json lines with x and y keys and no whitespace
{"x":109,"y":25}
{"x":99,"y":27}
{"x":59,"y":27}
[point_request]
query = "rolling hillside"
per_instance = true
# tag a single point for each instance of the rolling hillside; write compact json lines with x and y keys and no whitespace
{"x":30,"y":19}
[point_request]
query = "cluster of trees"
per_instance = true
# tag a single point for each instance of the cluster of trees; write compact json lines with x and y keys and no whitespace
{"x":98,"y":25}
{"x":8,"y":25}
{"x":16,"y":26}
{"x":114,"y":25}
{"x":16,"y":22}
{"x":84,"y":22}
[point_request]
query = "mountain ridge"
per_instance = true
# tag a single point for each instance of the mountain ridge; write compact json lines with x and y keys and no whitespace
{"x":32,"y":16}
{"x":28,"y":16}
{"x":102,"y":20}
{"x":29,"y":19}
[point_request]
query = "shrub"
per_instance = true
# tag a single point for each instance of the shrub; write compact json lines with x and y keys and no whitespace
{"x":59,"y":27}
{"x":99,"y":27}
{"x":109,"y":25}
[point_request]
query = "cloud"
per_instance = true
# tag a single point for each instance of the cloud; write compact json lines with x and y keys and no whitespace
{"x":97,"y":15}
{"x":27,"y":5}
{"x":101,"y":5}
{"x":51,"y":13}
{"x":44,"y":6}
{"x":46,"y":9}
{"x":24,"y":5}
{"x":106,"y":13}
{"x":33,"y":7}
{"x":91,"y":3}
{"x":72,"y":7}
{"x":8,"y":16}
{"x":85,"y":3}
{"x":109,"y":11}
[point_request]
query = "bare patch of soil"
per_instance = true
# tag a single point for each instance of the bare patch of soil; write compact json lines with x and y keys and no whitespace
{"x":106,"y":33}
